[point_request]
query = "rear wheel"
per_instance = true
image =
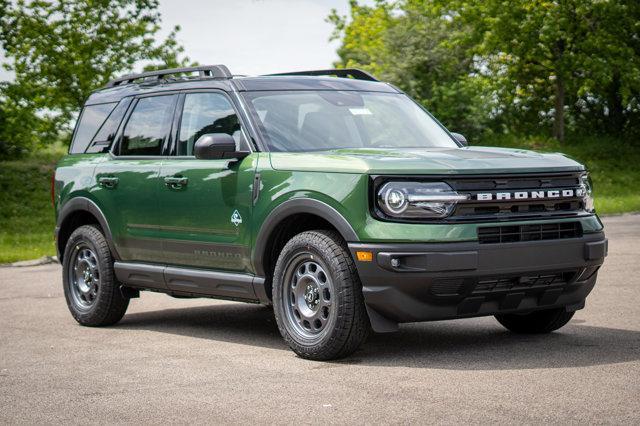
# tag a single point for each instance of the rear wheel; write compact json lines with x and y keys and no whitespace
{"x":317,"y":297}
{"x":90,"y":287}
{"x":537,"y":322}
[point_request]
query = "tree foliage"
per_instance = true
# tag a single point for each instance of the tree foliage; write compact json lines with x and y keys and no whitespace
{"x":497,"y":65}
{"x":60,"y":51}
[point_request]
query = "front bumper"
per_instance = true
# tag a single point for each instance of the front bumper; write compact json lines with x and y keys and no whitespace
{"x":425,"y":282}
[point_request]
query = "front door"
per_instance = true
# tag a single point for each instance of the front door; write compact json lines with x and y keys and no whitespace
{"x":128,"y":181}
{"x":210,"y":200}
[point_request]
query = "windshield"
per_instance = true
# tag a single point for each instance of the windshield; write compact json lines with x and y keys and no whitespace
{"x":298,"y":121}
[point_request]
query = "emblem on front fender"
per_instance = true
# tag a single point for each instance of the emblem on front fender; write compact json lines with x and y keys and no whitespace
{"x":236,"y":219}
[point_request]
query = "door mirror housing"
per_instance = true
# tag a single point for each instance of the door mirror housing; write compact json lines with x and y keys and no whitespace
{"x":216,"y":146}
{"x":460,"y":138}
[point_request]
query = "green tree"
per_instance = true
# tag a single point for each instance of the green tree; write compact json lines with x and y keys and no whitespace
{"x":506,"y":65}
{"x":60,"y":51}
{"x":556,"y":52}
{"x":412,"y":44}
{"x":363,"y":36}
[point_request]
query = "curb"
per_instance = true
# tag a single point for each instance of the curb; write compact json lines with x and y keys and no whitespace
{"x":44,"y":260}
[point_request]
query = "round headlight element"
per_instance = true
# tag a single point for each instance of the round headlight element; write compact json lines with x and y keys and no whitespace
{"x":395,"y":200}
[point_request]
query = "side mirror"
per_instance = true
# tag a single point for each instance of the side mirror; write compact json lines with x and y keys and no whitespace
{"x":460,"y":138}
{"x":215,"y":146}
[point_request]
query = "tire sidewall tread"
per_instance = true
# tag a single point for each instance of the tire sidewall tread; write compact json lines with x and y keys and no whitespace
{"x":351,"y":326}
{"x":110,"y":306}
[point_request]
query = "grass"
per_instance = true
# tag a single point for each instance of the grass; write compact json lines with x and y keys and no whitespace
{"x":27,"y":219}
{"x":26,"y":215}
{"x":614,"y":166}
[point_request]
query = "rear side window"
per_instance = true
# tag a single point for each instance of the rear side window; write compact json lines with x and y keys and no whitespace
{"x":102,"y":140}
{"x":90,"y":121}
{"x":148,"y":126}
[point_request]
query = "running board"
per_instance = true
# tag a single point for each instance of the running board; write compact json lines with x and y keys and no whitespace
{"x":191,"y":282}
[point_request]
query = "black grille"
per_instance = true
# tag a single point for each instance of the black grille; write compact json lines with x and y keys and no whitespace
{"x":514,"y":208}
{"x":497,"y":285}
{"x":447,"y":288}
{"x":538,"y":232}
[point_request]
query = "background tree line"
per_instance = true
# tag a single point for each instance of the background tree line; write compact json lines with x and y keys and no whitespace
{"x":494,"y":66}
{"x":484,"y":67}
{"x":61,"y":51}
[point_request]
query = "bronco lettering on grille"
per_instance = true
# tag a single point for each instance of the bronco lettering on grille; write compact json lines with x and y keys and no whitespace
{"x":529,"y":195}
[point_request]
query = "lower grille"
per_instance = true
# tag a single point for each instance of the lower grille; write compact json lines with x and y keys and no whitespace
{"x":500,"y":285}
{"x":537,"y":232}
{"x":521,"y":283}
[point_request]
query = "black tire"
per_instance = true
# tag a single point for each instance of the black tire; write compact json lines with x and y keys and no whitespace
{"x":346,"y":325}
{"x":95,"y":299}
{"x":537,"y":322}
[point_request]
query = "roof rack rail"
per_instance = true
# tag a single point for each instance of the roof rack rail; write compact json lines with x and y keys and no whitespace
{"x":205,"y":71}
{"x":342,"y":72}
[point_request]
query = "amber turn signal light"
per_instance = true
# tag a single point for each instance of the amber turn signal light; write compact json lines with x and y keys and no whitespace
{"x":364,"y":256}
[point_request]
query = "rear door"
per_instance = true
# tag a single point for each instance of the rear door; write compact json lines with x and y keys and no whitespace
{"x":211,"y":205}
{"x":128,"y":180}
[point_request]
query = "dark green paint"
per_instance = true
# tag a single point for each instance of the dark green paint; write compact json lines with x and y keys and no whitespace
{"x":191,"y":225}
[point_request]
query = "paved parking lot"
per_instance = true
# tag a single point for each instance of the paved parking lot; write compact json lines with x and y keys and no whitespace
{"x":175,"y":360}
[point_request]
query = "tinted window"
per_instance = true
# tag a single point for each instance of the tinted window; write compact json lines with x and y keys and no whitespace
{"x":206,"y":113}
{"x":90,"y":121}
{"x":103,"y":139}
{"x":327,"y":120}
{"x":148,"y":126}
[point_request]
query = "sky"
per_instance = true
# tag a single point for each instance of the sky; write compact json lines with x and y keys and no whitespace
{"x":253,"y":36}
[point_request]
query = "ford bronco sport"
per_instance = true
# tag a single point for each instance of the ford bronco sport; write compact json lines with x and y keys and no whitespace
{"x":328,"y":194}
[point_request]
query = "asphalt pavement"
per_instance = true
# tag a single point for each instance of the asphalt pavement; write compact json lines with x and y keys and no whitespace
{"x":205,"y":361}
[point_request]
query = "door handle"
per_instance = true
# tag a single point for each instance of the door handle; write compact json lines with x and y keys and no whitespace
{"x":176,"y":182}
{"x":108,"y":181}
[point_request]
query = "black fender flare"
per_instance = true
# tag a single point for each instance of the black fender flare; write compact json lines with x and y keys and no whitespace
{"x":296,"y":206}
{"x":84,"y":204}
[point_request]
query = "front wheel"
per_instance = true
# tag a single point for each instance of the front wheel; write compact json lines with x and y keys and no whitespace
{"x":317,"y":297}
{"x":90,"y":286}
{"x":537,"y":322}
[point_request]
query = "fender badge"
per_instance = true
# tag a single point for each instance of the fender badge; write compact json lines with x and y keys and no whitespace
{"x":236,"y":219}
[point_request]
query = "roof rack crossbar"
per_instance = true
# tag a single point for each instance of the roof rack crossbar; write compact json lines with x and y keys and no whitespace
{"x":205,"y":71}
{"x":342,"y":72}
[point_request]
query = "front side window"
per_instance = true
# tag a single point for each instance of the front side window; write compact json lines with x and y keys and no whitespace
{"x":148,"y":126}
{"x":90,"y":121}
{"x":205,"y":113}
{"x":298,"y":121}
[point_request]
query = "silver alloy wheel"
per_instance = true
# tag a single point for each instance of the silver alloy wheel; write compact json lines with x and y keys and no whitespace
{"x":84,"y":276}
{"x":308,"y":295}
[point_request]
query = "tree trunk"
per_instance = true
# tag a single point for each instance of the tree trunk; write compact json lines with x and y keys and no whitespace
{"x":558,"y":119}
{"x":615,"y":123}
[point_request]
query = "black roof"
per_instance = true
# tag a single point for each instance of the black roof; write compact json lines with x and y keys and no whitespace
{"x":155,"y":82}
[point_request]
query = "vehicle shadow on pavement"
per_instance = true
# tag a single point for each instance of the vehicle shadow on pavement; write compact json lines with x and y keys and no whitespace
{"x":235,"y":323}
{"x":483,"y":345}
{"x":477,"y":344}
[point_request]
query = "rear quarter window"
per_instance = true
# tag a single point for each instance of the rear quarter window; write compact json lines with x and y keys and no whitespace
{"x":91,"y":119}
{"x":104,"y":138}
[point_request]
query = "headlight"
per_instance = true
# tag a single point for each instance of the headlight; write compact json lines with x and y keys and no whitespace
{"x":417,"y":200}
{"x":587,"y":194}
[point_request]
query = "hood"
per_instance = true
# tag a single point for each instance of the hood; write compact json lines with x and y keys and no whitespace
{"x":468,"y":160}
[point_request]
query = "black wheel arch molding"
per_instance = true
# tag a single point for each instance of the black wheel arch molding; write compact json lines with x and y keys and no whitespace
{"x":82,"y":204}
{"x":289,"y":208}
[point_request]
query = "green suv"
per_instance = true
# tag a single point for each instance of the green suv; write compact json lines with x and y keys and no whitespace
{"x":327,"y":194}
